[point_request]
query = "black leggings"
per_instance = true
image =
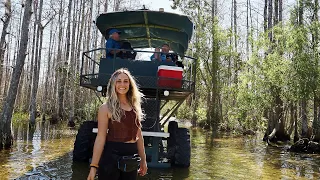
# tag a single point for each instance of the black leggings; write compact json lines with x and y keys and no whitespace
{"x":107,"y":165}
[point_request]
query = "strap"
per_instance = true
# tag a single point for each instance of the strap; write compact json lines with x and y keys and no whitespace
{"x":94,"y":166}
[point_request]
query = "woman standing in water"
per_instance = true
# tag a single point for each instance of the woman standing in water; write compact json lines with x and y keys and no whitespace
{"x":119,"y":132}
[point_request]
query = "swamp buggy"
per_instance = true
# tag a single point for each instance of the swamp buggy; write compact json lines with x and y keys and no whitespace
{"x":145,"y":29}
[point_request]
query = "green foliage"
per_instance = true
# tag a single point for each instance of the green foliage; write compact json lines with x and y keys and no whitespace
{"x":184,"y":112}
{"x":88,"y":111}
{"x":20,"y":117}
{"x":286,"y":66}
{"x":289,"y":69}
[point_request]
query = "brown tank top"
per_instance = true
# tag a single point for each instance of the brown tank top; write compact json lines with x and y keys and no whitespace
{"x":126,"y":129}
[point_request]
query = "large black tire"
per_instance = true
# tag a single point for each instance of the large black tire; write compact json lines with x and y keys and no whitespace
{"x":183,"y":148}
{"x":83,"y":145}
{"x":172,"y":130}
{"x":179,"y":148}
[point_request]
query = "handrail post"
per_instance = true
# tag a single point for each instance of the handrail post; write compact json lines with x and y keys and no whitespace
{"x":81,"y":69}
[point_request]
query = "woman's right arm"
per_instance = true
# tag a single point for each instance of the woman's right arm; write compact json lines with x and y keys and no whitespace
{"x":103,"y":118}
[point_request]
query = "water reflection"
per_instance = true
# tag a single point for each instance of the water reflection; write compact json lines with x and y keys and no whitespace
{"x":34,"y":149}
{"x":44,"y":151}
{"x":227,"y":157}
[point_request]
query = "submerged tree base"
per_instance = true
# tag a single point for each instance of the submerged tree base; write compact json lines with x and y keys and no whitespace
{"x":6,"y":142}
{"x":276,"y":136}
{"x":304,"y":145}
{"x":71,"y":122}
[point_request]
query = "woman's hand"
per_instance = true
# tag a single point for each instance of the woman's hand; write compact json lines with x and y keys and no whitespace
{"x":143,"y":168}
{"x":92,"y":174}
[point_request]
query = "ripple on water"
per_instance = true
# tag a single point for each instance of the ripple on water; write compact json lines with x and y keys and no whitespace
{"x":43,"y":154}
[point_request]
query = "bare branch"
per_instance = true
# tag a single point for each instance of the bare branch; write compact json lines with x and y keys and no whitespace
{"x":48,"y":21}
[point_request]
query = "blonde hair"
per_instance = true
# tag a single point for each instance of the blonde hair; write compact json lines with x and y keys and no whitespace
{"x":134,"y":97}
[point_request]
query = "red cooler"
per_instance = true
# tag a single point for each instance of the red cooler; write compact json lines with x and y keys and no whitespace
{"x":170,"y":76}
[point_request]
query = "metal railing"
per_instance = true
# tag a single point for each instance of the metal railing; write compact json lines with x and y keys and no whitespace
{"x":89,"y":71}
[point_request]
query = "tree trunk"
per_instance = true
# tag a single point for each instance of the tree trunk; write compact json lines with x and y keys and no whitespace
{"x":304,"y":118}
{"x":276,"y":125}
{"x":265,"y":16}
{"x":56,"y":66}
{"x":48,"y":74}
{"x":52,"y":74}
{"x":78,"y":53}
{"x":36,"y":70}
{"x":72,"y":65}
{"x":60,"y":66}
{"x":252,"y":30}
{"x":214,"y":68}
{"x":317,"y":129}
{"x":236,"y":57}
{"x":315,"y":117}
{"x":248,"y":32}
{"x":278,"y":121}
{"x":7,"y":76}
{"x":268,"y":115}
{"x":86,"y":45}
{"x":282,"y":135}
{"x":16,"y":48}
{"x":85,"y":66}
{"x":27,"y":105}
{"x":276,"y":12}
{"x":195,"y":102}
{"x":67,"y":55}
{"x":292,"y":120}
{"x":117,"y":5}
{"x":300,"y":13}
{"x":316,"y":120}
{"x":280,"y":10}
{"x":231,"y":25}
{"x":21,"y":94}
{"x":209,"y":113}
{"x":6,"y":115}
{"x":270,"y":20}
{"x":103,"y":39}
{"x":235,"y":26}
{"x":6,"y":22}
{"x":296,"y":135}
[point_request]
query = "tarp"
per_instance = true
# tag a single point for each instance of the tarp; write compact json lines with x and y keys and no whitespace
{"x":149,"y":29}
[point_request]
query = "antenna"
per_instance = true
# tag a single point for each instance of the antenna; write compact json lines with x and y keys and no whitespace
{"x":144,"y":7}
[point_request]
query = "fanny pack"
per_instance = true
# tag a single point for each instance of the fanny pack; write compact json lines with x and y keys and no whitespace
{"x":127,"y":163}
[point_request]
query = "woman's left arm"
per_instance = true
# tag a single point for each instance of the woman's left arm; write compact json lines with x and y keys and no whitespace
{"x":143,"y":163}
